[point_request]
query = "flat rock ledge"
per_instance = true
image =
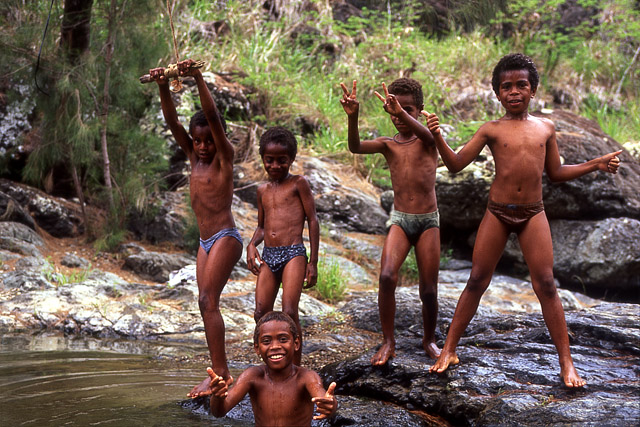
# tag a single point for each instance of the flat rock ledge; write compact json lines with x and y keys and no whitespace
{"x":508,"y":372}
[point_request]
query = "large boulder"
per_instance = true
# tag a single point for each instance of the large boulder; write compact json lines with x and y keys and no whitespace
{"x":156,"y":266}
{"x":10,"y":210}
{"x":55,"y":215}
{"x":163,"y":221}
{"x":17,"y":237}
{"x":344,"y":204}
{"x":508,"y":371}
{"x":596,"y":195}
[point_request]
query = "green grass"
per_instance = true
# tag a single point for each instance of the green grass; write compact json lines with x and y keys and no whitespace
{"x":332,"y":282}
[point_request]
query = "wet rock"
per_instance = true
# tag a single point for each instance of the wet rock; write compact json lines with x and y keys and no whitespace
{"x":508,"y":373}
{"x":156,"y":266}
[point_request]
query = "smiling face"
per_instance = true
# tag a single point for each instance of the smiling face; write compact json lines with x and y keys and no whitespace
{"x":203,"y":144}
{"x":408,"y":103}
{"x":277,"y":161}
{"x":515,"y":91}
{"x":276,"y":345}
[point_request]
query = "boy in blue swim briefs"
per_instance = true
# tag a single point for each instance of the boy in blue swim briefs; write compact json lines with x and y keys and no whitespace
{"x":211,"y":188}
{"x":285,"y":202}
{"x":414,"y":221}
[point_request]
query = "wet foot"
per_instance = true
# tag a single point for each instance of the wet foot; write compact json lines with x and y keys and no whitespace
{"x":571,"y":378}
{"x":444,"y":361}
{"x":204,"y":388}
{"x":431,"y":349}
{"x":387,"y":350}
{"x":201,"y":389}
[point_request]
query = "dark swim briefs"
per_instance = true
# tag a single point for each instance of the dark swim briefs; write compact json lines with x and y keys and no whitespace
{"x":277,"y":257}
{"x":514,"y":215}
{"x":414,"y":225}
{"x":208,"y":243}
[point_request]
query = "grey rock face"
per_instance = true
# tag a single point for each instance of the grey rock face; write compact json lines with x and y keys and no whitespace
{"x":508,"y":371}
{"x":156,"y":266}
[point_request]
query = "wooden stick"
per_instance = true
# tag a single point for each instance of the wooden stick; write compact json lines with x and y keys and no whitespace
{"x":171,"y":71}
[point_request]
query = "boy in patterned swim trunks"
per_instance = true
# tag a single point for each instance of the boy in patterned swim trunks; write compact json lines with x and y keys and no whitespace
{"x":211,"y":188}
{"x":412,"y":161}
{"x":522,"y":146}
{"x":285,"y":202}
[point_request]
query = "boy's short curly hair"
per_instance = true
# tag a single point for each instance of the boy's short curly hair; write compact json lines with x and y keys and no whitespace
{"x":407,"y":86}
{"x":281,"y":136}
{"x":275,"y":316}
{"x":514,"y":61}
{"x":200,"y":120}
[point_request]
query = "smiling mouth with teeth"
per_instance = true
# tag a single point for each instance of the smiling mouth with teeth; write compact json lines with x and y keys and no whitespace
{"x":276,"y":357}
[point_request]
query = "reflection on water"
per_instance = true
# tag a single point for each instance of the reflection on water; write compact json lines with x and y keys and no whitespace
{"x":57,"y":381}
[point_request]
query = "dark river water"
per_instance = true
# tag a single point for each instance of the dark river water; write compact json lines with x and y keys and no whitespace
{"x":51,"y":380}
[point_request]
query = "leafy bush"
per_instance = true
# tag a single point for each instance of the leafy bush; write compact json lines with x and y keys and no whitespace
{"x":332,"y":283}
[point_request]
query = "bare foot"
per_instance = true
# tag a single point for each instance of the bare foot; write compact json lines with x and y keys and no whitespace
{"x":201,"y":389}
{"x":571,"y":378}
{"x":432,"y":349}
{"x":387,"y":350}
{"x":204,"y":389}
{"x":444,"y":360}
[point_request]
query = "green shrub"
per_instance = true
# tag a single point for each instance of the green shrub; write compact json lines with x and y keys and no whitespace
{"x":332,"y":283}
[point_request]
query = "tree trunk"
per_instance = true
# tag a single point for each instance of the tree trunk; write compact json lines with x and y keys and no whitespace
{"x":76,"y":28}
{"x":105,"y":104}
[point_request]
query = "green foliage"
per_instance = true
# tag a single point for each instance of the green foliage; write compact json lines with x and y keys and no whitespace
{"x":409,"y":274}
{"x":332,"y":283}
{"x":58,"y":278}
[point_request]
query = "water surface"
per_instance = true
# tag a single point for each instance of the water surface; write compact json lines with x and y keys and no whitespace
{"x":52,"y":380}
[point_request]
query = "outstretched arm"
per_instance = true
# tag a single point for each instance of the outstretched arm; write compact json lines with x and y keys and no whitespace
{"x":222,"y":398}
{"x":326,"y":402}
{"x":455,"y":162}
{"x":351,"y":106}
{"x":393,"y":107}
{"x":258,"y":237}
{"x":309,"y":206}
{"x":169,"y":112}
{"x":223,"y":146}
{"x":557,"y":172}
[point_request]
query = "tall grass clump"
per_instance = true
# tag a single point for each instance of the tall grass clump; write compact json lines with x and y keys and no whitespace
{"x":332,"y":282}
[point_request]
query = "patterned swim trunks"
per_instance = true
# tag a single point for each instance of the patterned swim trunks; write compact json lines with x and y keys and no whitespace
{"x":277,"y":257}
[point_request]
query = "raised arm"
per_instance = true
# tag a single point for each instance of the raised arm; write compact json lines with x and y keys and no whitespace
{"x":223,"y":146}
{"x":557,"y":172}
{"x":258,"y":237}
{"x":222,"y":398}
{"x":351,"y":106}
{"x":393,"y":107}
{"x":309,"y":206}
{"x":455,"y":162}
{"x":169,"y":112}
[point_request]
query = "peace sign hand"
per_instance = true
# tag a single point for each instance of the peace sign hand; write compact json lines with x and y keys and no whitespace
{"x":349,"y":102}
{"x":390,"y":102}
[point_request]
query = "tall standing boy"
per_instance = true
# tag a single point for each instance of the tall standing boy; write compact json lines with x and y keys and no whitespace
{"x":211,"y":188}
{"x":285,"y":202}
{"x":522,"y":146}
{"x":412,"y":161}
{"x":282,"y":393}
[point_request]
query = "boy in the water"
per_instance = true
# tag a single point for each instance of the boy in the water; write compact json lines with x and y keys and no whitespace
{"x":282,"y":393}
{"x":523,"y":146}
{"x":211,"y":188}
{"x":414,"y":221}
{"x":285,"y":202}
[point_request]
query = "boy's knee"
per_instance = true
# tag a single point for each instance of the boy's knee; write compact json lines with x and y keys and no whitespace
{"x":388,"y":279}
{"x":428,"y":293}
{"x":546,"y":287}
{"x":207,"y":303}
{"x":478,"y":282}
